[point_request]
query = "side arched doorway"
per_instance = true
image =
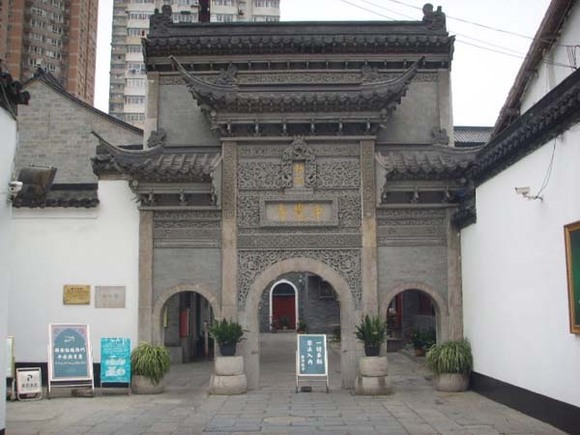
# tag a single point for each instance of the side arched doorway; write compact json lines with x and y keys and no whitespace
{"x":414,"y":311}
{"x":181,"y":316}
{"x":349,"y":315}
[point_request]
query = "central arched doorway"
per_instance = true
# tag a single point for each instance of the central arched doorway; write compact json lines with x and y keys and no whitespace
{"x":298,"y":302}
{"x":347,"y":313}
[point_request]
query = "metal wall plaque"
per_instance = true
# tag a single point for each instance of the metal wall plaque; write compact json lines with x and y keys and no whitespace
{"x":76,"y":294}
{"x":110,"y":296}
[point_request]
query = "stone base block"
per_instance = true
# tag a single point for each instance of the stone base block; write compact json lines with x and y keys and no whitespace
{"x":228,"y":385}
{"x":229,"y":365}
{"x":373,"y":386}
{"x":373,"y":366}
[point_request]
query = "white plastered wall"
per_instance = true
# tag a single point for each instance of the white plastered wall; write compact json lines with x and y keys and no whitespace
{"x":59,"y":246}
{"x":515,"y":294}
{"x":8,"y":129}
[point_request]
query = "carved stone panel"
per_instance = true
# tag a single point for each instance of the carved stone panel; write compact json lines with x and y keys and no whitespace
{"x":338,"y":174}
{"x":302,"y":240}
{"x":345,"y":262}
{"x":408,"y":227}
{"x":276,"y":151}
{"x":200,"y":229}
{"x":259,"y":175}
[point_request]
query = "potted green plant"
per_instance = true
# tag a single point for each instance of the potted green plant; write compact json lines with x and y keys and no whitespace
{"x":149,"y":365}
{"x":371,"y":331}
{"x":301,"y":327}
{"x":227,"y":335}
{"x":422,"y":340}
{"x":451,"y":362}
{"x":285,"y":322}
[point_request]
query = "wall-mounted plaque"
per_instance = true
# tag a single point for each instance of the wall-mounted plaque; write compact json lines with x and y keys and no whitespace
{"x":76,"y":294}
{"x":110,"y":296}
{"x":298,"y":210}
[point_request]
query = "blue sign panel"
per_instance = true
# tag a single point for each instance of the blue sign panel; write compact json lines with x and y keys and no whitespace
{"x":312,"y":357}
{"x":70,"y":352}
{"x":116,"y":360}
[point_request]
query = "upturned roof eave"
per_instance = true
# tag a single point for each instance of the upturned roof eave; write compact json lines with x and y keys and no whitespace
{"x":375,"y":95}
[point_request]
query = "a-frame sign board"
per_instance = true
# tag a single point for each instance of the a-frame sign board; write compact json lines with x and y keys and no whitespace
{"x":70,"y":360}
{"x":311,"y":359}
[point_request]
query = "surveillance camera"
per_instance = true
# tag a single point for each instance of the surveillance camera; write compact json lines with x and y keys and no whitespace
{"x":525,"y":191}
{"x":14,"y":187}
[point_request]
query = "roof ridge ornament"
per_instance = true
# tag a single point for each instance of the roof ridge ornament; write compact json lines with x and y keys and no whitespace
{"x":435,"y":20}
{"x":159,"y":22}
{"x":157,"y":138}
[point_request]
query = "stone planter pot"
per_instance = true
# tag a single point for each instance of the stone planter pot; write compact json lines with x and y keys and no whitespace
{"x":451,"y":382}
{"x":142,"y":385}
{"x":373,"y":366}
{"x":373,"y":376}
{"x":229,"y":365}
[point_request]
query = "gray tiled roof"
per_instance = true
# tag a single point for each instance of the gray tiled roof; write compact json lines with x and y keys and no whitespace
{"x":471,"y":136}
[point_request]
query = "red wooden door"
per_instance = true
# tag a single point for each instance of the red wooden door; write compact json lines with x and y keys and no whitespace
{"x":284,"y":306}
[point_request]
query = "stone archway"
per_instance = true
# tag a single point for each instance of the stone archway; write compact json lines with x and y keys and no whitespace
{"x":440,"y":305}
{"x":202,"y":289}
{"x":349,"y":312}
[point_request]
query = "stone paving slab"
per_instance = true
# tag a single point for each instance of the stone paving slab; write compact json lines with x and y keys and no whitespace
{"x":414,"y":408}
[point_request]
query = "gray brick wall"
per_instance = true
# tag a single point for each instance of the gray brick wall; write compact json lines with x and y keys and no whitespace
{"x":55,"y":131}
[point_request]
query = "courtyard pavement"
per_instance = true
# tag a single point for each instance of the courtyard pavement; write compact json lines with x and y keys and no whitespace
{"x":186,"y":407}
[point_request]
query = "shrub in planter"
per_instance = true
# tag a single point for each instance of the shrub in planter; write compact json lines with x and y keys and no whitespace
{"x":227,"y":335}
{"x":371,"y":331}
{"x":149,"y":364}
{"x":451,"y":362}
{"x":422,"y":340}
{"x":302,"y":328}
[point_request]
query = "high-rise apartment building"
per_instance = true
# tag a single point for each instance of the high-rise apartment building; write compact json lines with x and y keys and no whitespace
{"x":128,"y":85}
{"x":57,"y":35}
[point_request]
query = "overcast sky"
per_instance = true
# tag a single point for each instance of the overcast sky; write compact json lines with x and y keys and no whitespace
{"x":482,"y":73}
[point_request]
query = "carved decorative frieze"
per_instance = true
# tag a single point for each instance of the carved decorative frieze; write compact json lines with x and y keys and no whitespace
{"x":411,"y":236}
{"x":338,"y":174}
{"x":187,"y":215}
{"x":229,"y":179}
{"x":410,"y":216}
{"x":299,"y":241}
{"x":408,"y":227}
{"x":192,"y":228}
{"x":368,"y":183}
{"x":349,"y":214}
{"x":349,"y":76}
{"x":346,"y":263}
{"x":259,"y":175}
{"x":171,"y":80}
{"x":248,"y":210}
{"x":320,"y":150}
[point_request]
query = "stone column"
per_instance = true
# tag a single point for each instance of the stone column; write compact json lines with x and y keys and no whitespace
{"x":152,"y":108}
{"x":145,"y":275}
{"x":369,"y":228}
{"x":454,"y":292}
{"x":229,"y":231}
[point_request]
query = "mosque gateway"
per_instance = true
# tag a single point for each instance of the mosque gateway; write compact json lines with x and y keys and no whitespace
{"x":297,"y":172}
